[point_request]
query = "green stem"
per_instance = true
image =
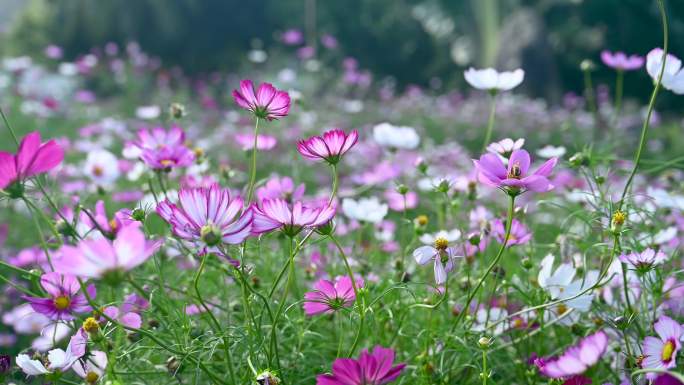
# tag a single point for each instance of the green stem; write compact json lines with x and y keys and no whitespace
{"x":252,"y":178}
{"x":9,"y":128}
{"x":591,"y":97}
{"x":619,"y":80}
{"x":216,"y":324}
{"x":281,"y":306}
{"x":214,"y":378}
{"x":335,"y":186}
{"x":362,"y":302}
{"x":651,"y":105}
{"x":485,"y":376}
{"x":490,"y":121}
{"x":509,"y":221}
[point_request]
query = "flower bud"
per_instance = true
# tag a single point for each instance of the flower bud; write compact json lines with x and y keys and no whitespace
{"x":5,"y":364}
{"x":138,"y":214}
{"x":527,"y":263}
{"x":484,"y":342}
{"x":91,"y":325}
{"x":177,"y":110}
{"x":402,"y":189}
{"x":267,"y":377}
{"x":617,"y":220}
{"x":587,"y":65}
{"x":579,"y":159}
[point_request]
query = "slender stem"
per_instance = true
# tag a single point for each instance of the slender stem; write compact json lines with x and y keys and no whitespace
{"x":333,"y":193}
{"x":591,"y":97}
{"x":485,"y":376}
{"x":490,"y":121}
{"x":281,"y":306}
{"x":9,"y":128}
{"x":362,"y":306}
{"x":214,"y":378}
{"x":217,"y":325}
{"x":651,"y":105}
{"x":252,"y":178}
{"x":619,"y":80}
{"x":509,"y":221}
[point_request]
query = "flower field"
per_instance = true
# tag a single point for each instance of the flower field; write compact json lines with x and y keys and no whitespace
{"x":302,"y":221}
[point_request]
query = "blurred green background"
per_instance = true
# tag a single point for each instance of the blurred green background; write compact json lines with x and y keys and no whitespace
{"x":414,"y":42}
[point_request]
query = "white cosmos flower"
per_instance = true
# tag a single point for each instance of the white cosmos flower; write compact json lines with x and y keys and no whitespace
{"x":489,"y":79}
{"x":148,"y":112}
{"x":560,"y":285}
{"x":550,"y":151}
{"x":401,"y":137}
{"x":673,"y":76}
{"x":102,"y":167}
{"x":365,"y":209}
{"x":505,"y":146}
{"x":451,"y":236}
{"x":31,"y":367}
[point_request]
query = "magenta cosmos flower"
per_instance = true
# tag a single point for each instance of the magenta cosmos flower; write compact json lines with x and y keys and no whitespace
{"x":266,"y":102}
{"x":63,"y":300}
{"x":576,"y":359}
{"x":208,"y":215}
{"x":620,"y":61}
{"x":661,"y":353}
{"x":514,"y":179}
{"x":276,"y":214}
{"x":32,"y":158}
{"x":329,"y":147}
{"x":370,"y":369}
{"x":102,"y":258}
{"x":161,"y":149}
{"x":329,"y":297}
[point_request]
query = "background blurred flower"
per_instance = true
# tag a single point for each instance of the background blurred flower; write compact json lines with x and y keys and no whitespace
{"x":491,"y":80}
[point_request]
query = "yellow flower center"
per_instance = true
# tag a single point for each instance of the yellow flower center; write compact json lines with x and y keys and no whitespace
{"x":422,"y":220}
{"x":98,"y":171}
{"x":62,"y":302}
{"x":92,"y":377}
{"x":113,"y":225}
{"x":166,"y":162}
{"x":441,"y":243}
{"x":90,"y":325}
{"x":515,"y":172}
{"x":562,"y":309}
{"x":619,"y":218}
{"x":668,"y":351}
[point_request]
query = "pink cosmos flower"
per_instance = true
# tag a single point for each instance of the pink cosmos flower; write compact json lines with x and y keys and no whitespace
{"x":277,"y":214}
{"x":32,"y":158}
{"x":121,"y":219}
{"x":282,"y":188}
{"x":661,"y":353}
{"x":514,"y":179}
{"x":576,"y":359}
{"x":63,"y":299}
{"x":161,"y":149}
{"x":519,"y":232}
{"x":208,"y":215}
{"x":369,"y":369}
{"x":644,"y":260}
{"x":620,"y":61}
{"x":127,"y":318}
{"x":329,"y":297}
{"x":399,"y":202}
{"x":97,"y":258}
{"x":264,"y":142}
{"x":329,"y":147}
{"x":266,"y":102}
